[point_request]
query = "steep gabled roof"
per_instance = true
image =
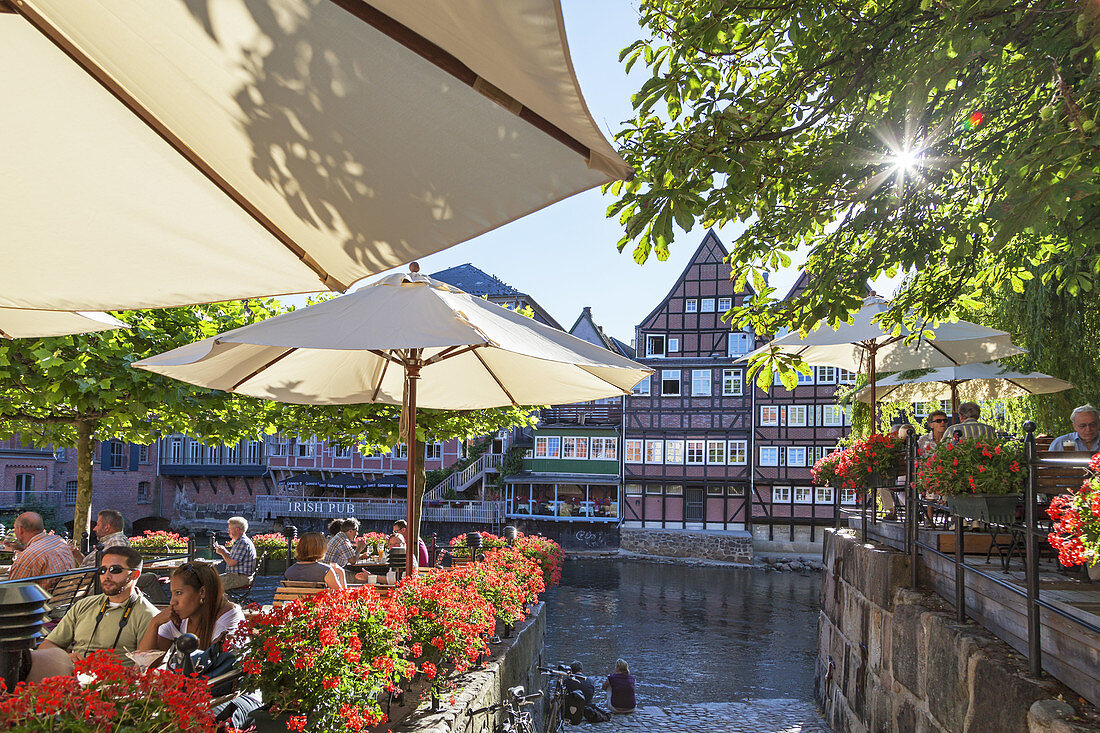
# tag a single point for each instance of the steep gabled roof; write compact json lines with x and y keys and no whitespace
{"x":596,"y":331}
{"x":475,"y":281}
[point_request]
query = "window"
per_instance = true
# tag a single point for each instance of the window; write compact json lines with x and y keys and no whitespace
{"x":432,"y":451}
{"x":732,"y":383}
{"x":195,"y":452}
{"x":824,"y":494}
{"x":700,"y":382}
{"x":735,"y":490}
{"x":70,"y":492}
{"x":673,"y":345}
{"x":528,"y":453}
{"x":143,"y":491}
{"x":781,"y":494}
{"x":713,"y":490}
{"x":843,"y":376}
{"x":633,"y":450}
{"x":716,"y":452}
{"x":653,"y":451}
{"x":400,"y":451}
{"x":60,"y":455}
{"x":674,"y":490}
{"x":796,"y":456}
{"x":642,"y":387}
{"x":724,"y":304}
{"x":654,"y":345}
{"x":576,"y":448}
{"x":806,"y":378}
{"x":653,"y":488}
{"x":143,"y":454}
{"x":738,"y":452}
{"x":276,"y":446}
{"x":175,"y":450}
{"x":945,"y":405}
{"x":707,"y":305}
{"x":769,"y":455}
{"x":670,"y":382}
{"x":848,"y":496}
{"x":253,"y":452}
{"x":769,"y":415}
{"x":796,"y":416}
{"x":696,"y":451}
{"x":832,"y":416}
{"x":232,"y":453}
{"x":605,"y":449}
{"x":547,"y":447}
{"x":118,"y":456}
{"x":633,"y":489}
{"x":737,"y":344}
{"x":803,"y":495}
{"x":24,"y":486}
{"x":674,"y":451}
{"x":691,"y":306}
{"x":920,"y":409}
{"x":212,"y":453}
{"x":304,"y":449}
{"x":826,"y":375}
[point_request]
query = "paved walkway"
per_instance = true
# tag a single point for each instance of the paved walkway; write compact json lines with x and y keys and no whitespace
{"x":754,"y":716}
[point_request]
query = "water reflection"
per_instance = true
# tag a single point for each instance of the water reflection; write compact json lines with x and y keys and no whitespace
{"x":690,"y":634}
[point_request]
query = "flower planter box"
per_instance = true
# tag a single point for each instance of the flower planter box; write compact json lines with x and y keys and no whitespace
{"x":992,"y":508}
{"x":274,"y":566}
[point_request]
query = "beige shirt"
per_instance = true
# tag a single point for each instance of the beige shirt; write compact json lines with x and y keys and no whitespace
{"x":79,"y":631}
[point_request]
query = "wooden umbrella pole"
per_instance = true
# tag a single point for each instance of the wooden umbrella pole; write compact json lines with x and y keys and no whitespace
{"x":412,"y":376}
{"x":954,"y":398}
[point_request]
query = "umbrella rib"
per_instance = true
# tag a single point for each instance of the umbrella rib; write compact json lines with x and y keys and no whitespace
{"x":944,"y":353}
{"x":382,"y":376}
{"x":156,"y":125}
{"x":452,"y":65}
{"x":495,"y":379}
{"x":259,"y":369}
{"x":451,"y":352}
{"x":597,"y":376}
{"x":6,"y":335}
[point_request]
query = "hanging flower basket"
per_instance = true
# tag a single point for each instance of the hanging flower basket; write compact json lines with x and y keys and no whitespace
{"x":979,"y":478}
{"x":869,"y":462}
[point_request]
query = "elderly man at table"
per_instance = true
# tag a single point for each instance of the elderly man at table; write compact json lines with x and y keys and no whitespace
{"x":109,"y":526}
{"x":240,"y":558}
{"x":969,"y":427}
{"x":1086,"y":431}
{"x":116,"y":619}
{"x":42,"y":554}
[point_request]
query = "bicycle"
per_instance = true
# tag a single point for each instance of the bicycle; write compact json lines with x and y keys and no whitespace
{"x":516,"y":719}
{"x":560,"y":708}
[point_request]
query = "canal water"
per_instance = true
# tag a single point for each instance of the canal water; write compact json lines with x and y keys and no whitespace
{"x":690,"y":634}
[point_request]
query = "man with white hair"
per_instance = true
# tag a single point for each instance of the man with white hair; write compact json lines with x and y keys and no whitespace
{"x":240,"y":559}
{"x":1086,"y":431}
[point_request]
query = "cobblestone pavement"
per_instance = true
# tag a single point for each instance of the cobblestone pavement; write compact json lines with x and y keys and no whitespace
{"x":754,"y":716}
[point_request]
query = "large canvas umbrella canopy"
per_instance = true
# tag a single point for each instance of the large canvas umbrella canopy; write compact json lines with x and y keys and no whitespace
{"x":976,"y":382}
{"x":172,"y":152}
{"x":862,"y":346}
{"x":28,"y":323}
{"x":407,"y":340}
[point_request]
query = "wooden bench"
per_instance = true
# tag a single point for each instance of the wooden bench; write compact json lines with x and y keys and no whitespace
{"x":292,"y":590}
{"x":1054,"y":480}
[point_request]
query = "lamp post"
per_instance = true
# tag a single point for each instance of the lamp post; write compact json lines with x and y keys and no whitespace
{"x":22,"y":613}
{"x":291,"y":534}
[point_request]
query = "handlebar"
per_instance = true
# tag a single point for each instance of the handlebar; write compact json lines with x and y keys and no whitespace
{"x":516,"y":699}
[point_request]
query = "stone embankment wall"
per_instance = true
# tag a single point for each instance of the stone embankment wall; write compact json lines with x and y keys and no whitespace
{"x":894,"y":659}
{"x":512,"y":665}
{"x":734,"y":547}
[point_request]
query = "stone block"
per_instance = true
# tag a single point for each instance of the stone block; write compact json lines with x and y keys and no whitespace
{"x":906,"y":719}
{"x":1053,"y":716}
{"x":906,"y":644}
{"x":999,"y":697}
{"x":949,"y":656}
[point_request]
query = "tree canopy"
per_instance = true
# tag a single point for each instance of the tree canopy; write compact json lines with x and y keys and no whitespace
{"x":953,"y":143}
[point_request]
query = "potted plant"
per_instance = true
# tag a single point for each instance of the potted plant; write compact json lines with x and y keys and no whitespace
{"x":448,"y":620}
{"x":863,"y":464}
{"x":1076,"y":531}
{"x":980,"y":478}
{"x":274,"y":544}
{"x":322,"y":662}
{"x":105,"y":695}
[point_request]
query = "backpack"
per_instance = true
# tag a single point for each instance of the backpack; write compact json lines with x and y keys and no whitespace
{"x":595,"y":714}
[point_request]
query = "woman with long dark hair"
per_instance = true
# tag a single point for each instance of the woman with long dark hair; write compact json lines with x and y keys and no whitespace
{"x":197,"y":605}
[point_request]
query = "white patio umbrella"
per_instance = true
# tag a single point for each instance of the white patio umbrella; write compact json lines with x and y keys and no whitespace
{"x":977,"y":382}
{"x":170,"y":152}
{"x":26,"y":323}
{"x":406,"y":340}
{"x":862,"y":346}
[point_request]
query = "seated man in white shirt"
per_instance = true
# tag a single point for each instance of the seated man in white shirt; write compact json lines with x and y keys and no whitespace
{"x":1086,"y":435}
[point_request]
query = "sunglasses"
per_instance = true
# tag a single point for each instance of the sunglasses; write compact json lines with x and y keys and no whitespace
{"x":113,"y":569}
{"x":938,"y":419}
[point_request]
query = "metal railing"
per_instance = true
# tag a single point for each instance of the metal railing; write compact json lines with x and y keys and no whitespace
{"x":460,"y":480}
{"x":583,"y":414}
{"x":435,"y":510}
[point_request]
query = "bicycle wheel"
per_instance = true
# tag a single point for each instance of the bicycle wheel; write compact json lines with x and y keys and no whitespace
{"x":554,"y":722}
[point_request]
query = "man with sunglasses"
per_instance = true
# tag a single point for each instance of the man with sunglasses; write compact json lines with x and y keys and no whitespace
{"x":116,"y":619}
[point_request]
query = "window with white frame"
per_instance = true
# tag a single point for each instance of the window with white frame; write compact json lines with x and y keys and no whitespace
{"x":803,"y":495}
{"x":24,"y":486}
{"x":806,"y":378}
{"x":633,"y":490}
{"x":654,"y":452}
{"x":304,"y":449}
{"x":738,"y":452}
{"x":654,"y":345}
{"x":118,"y":455}
{"x":400,"y":451}
{"x":769,"y":455}
{"x":781,"y":494}
{"x":920,"y":409}
{"x":847,"y":496}
{"x":547,"y":446}
{"x":195,"y":451}
{"x":843,"y":376}
{"x":735,"y":490}
{"x":670,"y":382}
{"x":716,"y":452}
{"x":253,"y":452}
{"x":143,"y":491}
{"x":769,"y":415}
{"x":696,"y":451}
{"x":633,"y":450}
{"x":232,"y":453}
{"x":575,"y":448}
{"x":642,"y":387}
{"x":706,"y":305}
{"x":604,"y":449}
{"x":143,"y":454}
{"x":673,"y":345}
{"x":432,"y":451}
{"x":716,"y":490}
{"x":826,"y":375}
{"x":832,"y":416}
{"x":674,"y":490}
{"x":738,"y":344}
{"x":691,"y":306}
{"x":724,"y":304}
{"x":945,"y":405}
{"x":796,"y":455}
{"x":213,"y":453}
{"x":847,"y":409}
{"x":674,"y":451}
{"x":824,"y":494}
{"x":796,"y":416}
{"x":175,"y":450}
{"x":700,"y":382}
{"x":276,"y":445}
{"x":732,"y":383}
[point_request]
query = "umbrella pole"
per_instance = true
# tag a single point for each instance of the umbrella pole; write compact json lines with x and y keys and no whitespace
{"x":412,"y":530}
{"x":871,"y":374}
{"x":954,"y":398}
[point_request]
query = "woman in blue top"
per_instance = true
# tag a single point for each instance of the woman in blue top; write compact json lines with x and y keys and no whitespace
{"x":621,"y":683}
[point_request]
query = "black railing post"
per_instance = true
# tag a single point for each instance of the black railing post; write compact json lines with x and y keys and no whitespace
{"x":1031,"y":548}
{"x":190,"y":547}
{"x":290,"y":532}
{"x":863,"y":513}
{"x":836,"y":506}
{"x":960,"y":573}
{"x":912,"y":508}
